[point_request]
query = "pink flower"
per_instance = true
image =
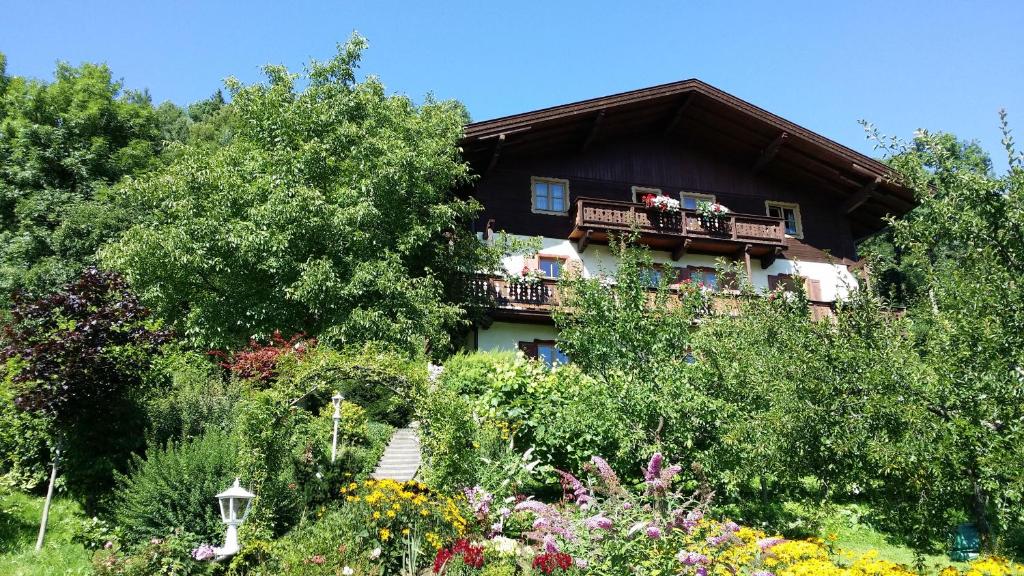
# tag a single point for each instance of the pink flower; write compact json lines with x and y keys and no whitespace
{"x":653,"y":467}
{"x":598,"y":522}
{"x":653,"y":532}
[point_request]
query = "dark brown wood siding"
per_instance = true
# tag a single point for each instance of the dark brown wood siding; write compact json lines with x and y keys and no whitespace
{"x":610,"y":169}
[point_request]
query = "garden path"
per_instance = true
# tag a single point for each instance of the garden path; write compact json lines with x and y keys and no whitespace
{"x":401,"y":458}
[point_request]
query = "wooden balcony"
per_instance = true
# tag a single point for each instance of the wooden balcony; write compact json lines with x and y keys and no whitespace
{"x":534,"y":302}
{"x":735,"y":235}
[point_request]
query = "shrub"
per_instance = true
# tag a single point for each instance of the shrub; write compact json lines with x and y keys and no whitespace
{"x":379,"y":380}
{"x":175,"y":487}
{"x":170,"y":555}
{"x":24,"y":445}
{"x":447,"y":434}
{"x":191,"y":397}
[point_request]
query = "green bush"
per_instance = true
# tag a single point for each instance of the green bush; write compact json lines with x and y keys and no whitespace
{"x":24,"y":445}
{"x":379,"y":380}
{"x":447,"y":437}
{"x":191,"y":396}
{"x":175,"y":487}
{"x":170,"y":555}
{"x":326,"y":546}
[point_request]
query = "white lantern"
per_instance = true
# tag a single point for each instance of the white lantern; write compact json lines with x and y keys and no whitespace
{"x":336,"y":400}
{"x":234,"y":508}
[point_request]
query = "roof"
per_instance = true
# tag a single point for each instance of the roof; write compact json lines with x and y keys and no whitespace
{"x":693,"y":109}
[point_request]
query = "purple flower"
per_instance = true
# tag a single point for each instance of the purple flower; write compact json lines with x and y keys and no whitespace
{"x":203,"y":552}
{"x":766,"y":543}
{"x":763,"y":573}
{"x":605,"y":471}
{"x":688,"y":558}
{"x":731,"y":526}
{"x":598,"y":522}
{"x":653,"y":532}
{"x":581,"y":563}
{"x":654,"y":467}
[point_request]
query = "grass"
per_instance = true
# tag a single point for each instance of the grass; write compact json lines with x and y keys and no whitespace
{"x":854,"y":535}
{"x":19,"y":526}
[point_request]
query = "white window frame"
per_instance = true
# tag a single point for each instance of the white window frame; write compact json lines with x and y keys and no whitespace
{"x":768,"y":204}
{"x":533,"y":195}
{"x":699,"y":197}
{"x":640,"y":191}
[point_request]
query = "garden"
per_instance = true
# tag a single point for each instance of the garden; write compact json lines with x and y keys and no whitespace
{"x":265,"y":286}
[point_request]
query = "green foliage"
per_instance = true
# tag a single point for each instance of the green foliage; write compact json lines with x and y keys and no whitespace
{"x":324,"y":546}
{"x":61,"y":145}
{"x":174,"y":488}
{"x":379,"y":380}
{"x":24,"y":444}
{"x":170,"y":555}
{"x":190,"y":396}
{"x":331,"y":211}
{"x":446,"y":438}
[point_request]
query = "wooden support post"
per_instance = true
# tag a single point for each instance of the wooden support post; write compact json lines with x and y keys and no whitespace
{"x":583,"y":242}
{"x":768,"y":154}
{"x":746,"y":259}
{"x":769,"y":258}
{"x":497,"y":152}
{"x":681,"y":249}
{"x":593,"y":131}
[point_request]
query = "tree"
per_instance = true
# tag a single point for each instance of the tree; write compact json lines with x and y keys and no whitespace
{"x":330,"y":211}
{"x":61,"y":145}
{"x":965,"y":242}
{"x":79,"y":357}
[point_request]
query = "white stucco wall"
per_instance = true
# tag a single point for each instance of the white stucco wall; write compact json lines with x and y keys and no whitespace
{"x":505,"y":336}
{"x":836,"y":279}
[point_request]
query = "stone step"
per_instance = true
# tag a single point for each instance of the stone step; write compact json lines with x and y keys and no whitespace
{"x":401,"y":458}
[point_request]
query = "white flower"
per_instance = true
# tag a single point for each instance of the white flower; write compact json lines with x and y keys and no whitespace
{"x":375,"y":553}
{"x":347,"y":571}
{"x":502,"y":545}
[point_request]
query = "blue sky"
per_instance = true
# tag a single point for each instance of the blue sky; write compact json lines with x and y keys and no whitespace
{"x":942,"y":65}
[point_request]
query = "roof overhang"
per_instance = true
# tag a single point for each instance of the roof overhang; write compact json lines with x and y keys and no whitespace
{"x":700,"y":114}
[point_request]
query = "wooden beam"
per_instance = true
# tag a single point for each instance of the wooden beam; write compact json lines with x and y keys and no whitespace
{"x":584,"y":241}
{"x":861,"y":196}
{"x":746,"y":260}
{"x":769,"y":258}
{"x":768,"y":154}
{"x":497,"y":152}
{"x":678,"y":116}
{"x":593,"y":131}
{"x":681,"y":249}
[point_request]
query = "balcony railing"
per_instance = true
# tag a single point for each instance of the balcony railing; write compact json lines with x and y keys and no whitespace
{"x":593,"y":219}
{"x":538,"y":299}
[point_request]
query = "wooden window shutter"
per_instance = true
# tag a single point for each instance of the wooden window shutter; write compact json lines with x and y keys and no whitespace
{"x":773,"y":281}
{"x":529,"y":349}
{"x":813,"y":288}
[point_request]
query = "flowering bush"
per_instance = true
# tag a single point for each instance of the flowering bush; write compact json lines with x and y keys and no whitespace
{"x":526,"y":276}
{"x":396,"y":513}
{"x":661,"y":203}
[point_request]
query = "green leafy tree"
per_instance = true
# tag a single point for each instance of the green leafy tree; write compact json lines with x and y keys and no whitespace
{"x":330,"y":211}
{"x":966,"y":243}
{"x":61,"y":145}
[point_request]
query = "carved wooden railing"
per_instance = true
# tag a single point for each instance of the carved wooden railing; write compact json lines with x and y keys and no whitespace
{"x":617,"y":215}
{"x":505,"y":293}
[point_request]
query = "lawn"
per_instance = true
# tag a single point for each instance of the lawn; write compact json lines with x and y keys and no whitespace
{"x":19,"y":526}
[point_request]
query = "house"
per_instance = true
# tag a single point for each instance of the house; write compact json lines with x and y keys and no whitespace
{"x":798,"y":202}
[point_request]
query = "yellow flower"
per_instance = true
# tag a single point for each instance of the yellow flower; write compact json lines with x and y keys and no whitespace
{"x":391,"y":513}
{"x":376,"y":515}
{"x":385,"y":534}
{"x":405,"y":531}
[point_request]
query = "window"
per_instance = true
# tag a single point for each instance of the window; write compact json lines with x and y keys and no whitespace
{"x":639,"y":192}
{"x":653,"y":276}
{"x":550,"y":195}
{"x":551,"y":266}
{"x":548,"y":353}
{"x":544,"y":350}
{"x":702,"y":276}
{"x":689,"y":200}
{"x":790,"y":213}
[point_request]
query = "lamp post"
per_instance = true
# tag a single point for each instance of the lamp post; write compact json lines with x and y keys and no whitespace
{"x":234,"y":507}
{"x":336,"y":400}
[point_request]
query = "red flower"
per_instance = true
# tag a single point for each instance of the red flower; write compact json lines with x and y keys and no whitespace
{"x":550,"y":561}
{"x":649,"y":200}
{"x":442,"y":558}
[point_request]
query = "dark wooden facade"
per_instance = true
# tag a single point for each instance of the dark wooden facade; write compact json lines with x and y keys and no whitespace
{"x":686,"y":136}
